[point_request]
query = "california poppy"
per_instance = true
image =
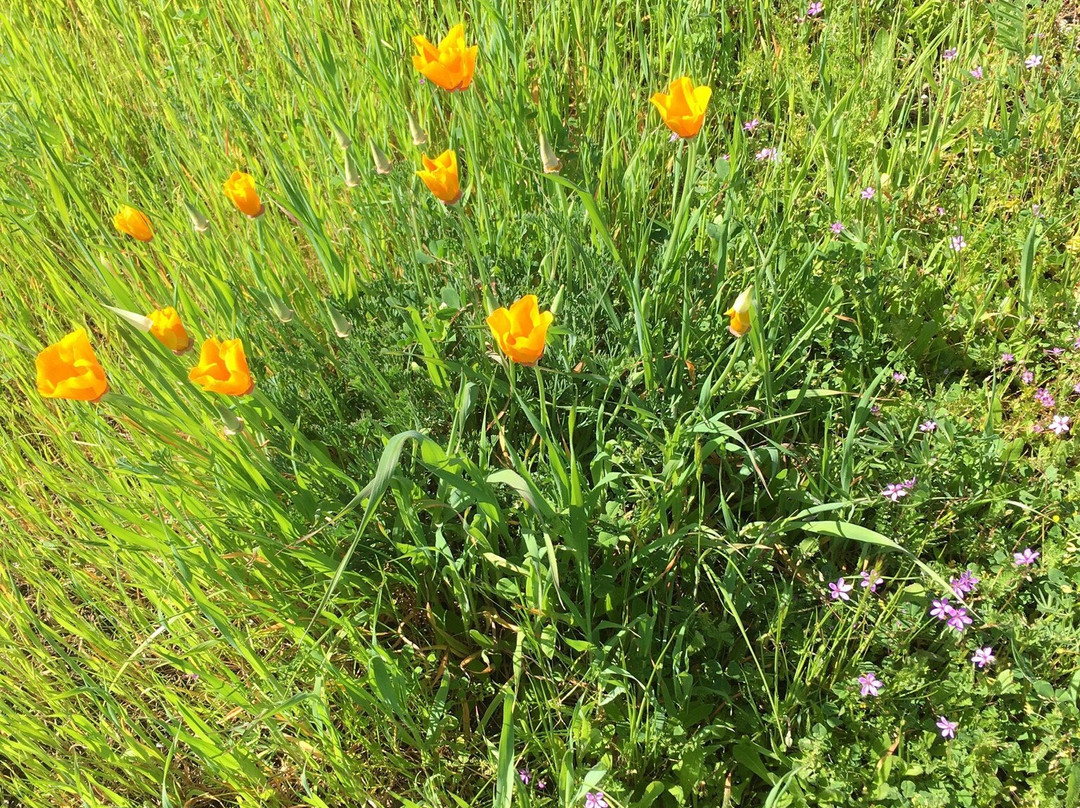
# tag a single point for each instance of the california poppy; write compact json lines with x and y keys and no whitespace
{"x":740,"y":314}
{"x":134,"y":222}
{"x":450,"y":65}
{"x":240,"y":188}
{"x":441,"y":176}
{"x":168,"y":329}
{"x":223,"y":368}
{"x":683,"y":106}
{"x":521,"y":330}
{"x":69,"y":369}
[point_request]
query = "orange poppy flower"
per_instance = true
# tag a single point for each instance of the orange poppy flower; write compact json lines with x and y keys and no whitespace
{"x":223,"y":368}
{"x":441,"y":176}
{"x":683,"y":106}
{"x":521,"y":330}
{"x":168,"y":329}
{"x":134,"y":222}
{"x":450,"y":65}
{"x":240,"y":188}
{"x":69,"y":369}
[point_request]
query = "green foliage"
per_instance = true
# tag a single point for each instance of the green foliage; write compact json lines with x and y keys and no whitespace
{"x":419,"y":568}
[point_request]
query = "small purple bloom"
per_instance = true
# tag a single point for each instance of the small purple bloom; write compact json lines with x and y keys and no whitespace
{"x":928,"y":425}
{"x":751,"y":125}
{"x":1007,"y":358}
{"x":1060,"y":425}
{"x":1055,"y":351}
{"x":977,"y":73}
{"x":940,"y":211}
{"x":673,"y":137}
{"x":983,"y":656}
{"x":894,"y":491}
{"x":957,"y":243}
{"x":725,"y":157}
{"x":950,"y":54}
{"x":595,"y":799}
{"x":899,"y":377}
{"x":1035,"y":211}
{"x":840,"y":589}
{"x":541,"y":784}
{"x":909,"y":484}
{"x":814,"y":9}
{"x":1042,"y":395}
{"x":875,"y":410}
{"x":1027,"y":377}
{"x":959,"y":620}
{"x":1076,"y":344}
{"x":963,"y":585}
{"x":838,"y":228}
{"x":1033,"y":61}
{"x":1037,"y":428}
{"x":1076,"y":388}
{"x":942,"y":610}
{"x":870,"y":684}
{"x":1026,"y":558}
{"x":868,"y":193}
{"x":524,"y":775}
{"x":947,"y":727}
{"x":871,"y":580}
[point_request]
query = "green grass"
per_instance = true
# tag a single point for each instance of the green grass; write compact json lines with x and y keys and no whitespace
{"x":417,"y":570}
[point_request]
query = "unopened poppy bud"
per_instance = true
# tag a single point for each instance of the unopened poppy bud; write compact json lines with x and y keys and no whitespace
{"x":199,"y":223}
{"x":419,"y":136}
{"x":232,"y":423}
{"x":343,"y":139}
{"x":382,"y":162}
{"x":551,"y":162}
{"x":352,"y":176}
{"x":281,"y":309}
{"x":342,"y":327}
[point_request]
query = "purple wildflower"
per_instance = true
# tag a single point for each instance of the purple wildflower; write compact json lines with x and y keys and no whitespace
{"x":875,"y":410}
{"x":871,"y":580}
{"x":840,"y":589}
{"x":909,"y":484}
{"x":1007,"y":358}
{"x":1033,"y":61}
{"x":894,"y":491}
{"x":524,"y":775}
{"x":899,"y":377}
{"x":929,"y":425}
{"x":751,"y":125}
{"x":942,"y":610}
{"x":977,"y":73}
{"x":838,"y":228}
{"x":957,"y":243}
{"x":1055,"y":351}
{"x":870,"y":684}
{"x":1037,"y":428}
{"x":1076,"y":388}
{"x":767,"y":154}
{"x":983,"y":656}
{"x":1042,"y":395}
{"x":1027,"y":377}
{"x":868,"y":193}
{"x":947,"y":727}
{"x":964,"y":584}
{"x":541,"y":784}
{"x":673,"y":137}
{"x":950,"y":54}
{"x":595,"y":799}
{"x":814,"y":9}
{"x":1026,"y":558}
{"x":725,"y":157}
{"x":940,"y":211}
{"x":1076,"y":344}
{"x":959,"y":620}
{"x":1060,"y":425}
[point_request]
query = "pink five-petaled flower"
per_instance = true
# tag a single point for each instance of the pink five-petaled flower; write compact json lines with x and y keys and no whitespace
{"x":870,"y":684}
{"x":929,"y":425}
{"x":1027,"y":377}
{"x":840,"y":589}
{"x":957,"y":243}
{"x":1059,"y":425}
{"x":947,"y":727}
{"x":1026,"y":558}
{"x":751,"y":125}
{"x":595,"y":799}
{"x":977,"y":73}
{"x":871,"y":580}
{"x":868,"y":193}
{"x":959,"y":620}
{"x":894,"y":491}
{"x":768,"y":154}
{"x":541,"y":784}
{"x":524,"y":775}
{"x":1007,"y":358}
{"x":942,"y":610}
{"x":964,"y":584}
{"x":899,"y":377}
{"x":815,"y":9}
{"x":983,"y":656}
{"x":1042,"y":395}
{"x":1055,"y":352}
{"x":909,"y":484}
{"x":838,"y":228}
{"x":1033,"y":61}
{"x":951,"y":54}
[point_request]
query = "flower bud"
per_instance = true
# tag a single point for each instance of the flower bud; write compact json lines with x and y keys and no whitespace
{"x":382,"y":162}
{"x":551,"y":162}
{"x":343,"y":139}
{"x":419,"y":136}
{"x":199,"y":223}
{"x":352,"y":176}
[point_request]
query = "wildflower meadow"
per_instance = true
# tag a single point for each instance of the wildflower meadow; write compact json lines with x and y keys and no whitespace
{"x":580,"y":404}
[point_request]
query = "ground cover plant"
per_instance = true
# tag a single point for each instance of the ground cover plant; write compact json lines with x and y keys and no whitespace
{"x":606,"y":404}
